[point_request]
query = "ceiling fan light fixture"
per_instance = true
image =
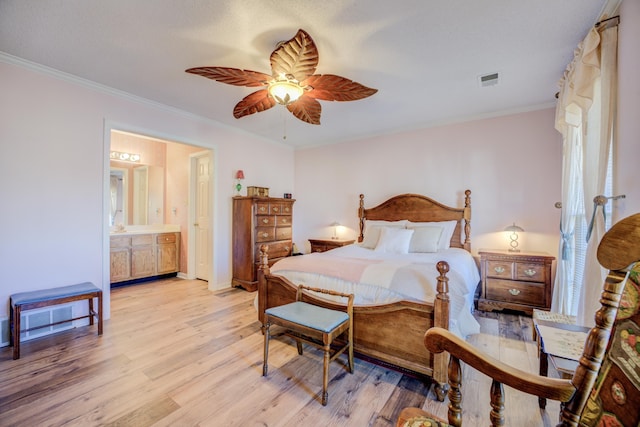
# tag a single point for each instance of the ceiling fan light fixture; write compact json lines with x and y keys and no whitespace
{"x":285,"y":91}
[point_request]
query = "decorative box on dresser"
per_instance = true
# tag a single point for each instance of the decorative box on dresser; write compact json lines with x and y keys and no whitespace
{"x":259,"y":221}
{"x":515,"y":280}
{"x":323,"y":245}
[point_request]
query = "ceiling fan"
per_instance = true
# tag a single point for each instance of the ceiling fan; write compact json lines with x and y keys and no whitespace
{"x":292,"y":82}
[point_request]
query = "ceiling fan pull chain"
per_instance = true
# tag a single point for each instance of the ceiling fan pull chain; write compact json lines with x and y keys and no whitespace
{"x":284,"y":127}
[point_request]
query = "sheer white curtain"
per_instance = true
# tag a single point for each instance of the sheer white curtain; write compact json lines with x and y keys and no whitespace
{"x":598,"y":142}
{"x":585,"y":117}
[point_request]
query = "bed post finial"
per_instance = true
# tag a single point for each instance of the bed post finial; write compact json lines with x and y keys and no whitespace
{"x":467,"y":220}
{"x":361,"y":218}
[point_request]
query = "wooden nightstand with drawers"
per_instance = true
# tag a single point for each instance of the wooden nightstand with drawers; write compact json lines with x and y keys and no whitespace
{"x":323,"y":245}
{"x":515,"y":280}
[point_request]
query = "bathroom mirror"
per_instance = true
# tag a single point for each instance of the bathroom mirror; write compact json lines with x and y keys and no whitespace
{"x":136,"y":194}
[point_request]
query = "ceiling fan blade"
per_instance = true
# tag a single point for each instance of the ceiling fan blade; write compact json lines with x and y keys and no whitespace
{"x":330,"y":87}
{"x":253,"y":103}
{"x":232,"y":76}
{"x":306,"y":109}
{"x":297,"y":57}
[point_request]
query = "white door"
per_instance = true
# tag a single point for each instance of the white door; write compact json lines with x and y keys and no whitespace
{"x":202,"y":216}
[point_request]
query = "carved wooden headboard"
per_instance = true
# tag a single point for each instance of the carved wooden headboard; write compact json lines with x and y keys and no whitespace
{"x":417,"y":208}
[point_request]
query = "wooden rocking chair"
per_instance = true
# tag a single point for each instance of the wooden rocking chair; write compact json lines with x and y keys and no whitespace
{"x":605,"y":388}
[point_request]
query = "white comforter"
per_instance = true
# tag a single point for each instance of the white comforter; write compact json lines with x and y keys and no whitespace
{"x":382,"y":278}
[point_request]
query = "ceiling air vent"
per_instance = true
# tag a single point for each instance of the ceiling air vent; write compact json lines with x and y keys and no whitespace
{"x":489,"y":80}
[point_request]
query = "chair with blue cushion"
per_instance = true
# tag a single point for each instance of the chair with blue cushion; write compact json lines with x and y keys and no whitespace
{"x":315,"y":325}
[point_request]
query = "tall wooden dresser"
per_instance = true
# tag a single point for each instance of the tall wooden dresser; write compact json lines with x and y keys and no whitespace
{"x":259,"y":221}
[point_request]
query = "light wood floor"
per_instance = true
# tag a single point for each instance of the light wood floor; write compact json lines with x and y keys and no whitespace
{"x":175,"y":354}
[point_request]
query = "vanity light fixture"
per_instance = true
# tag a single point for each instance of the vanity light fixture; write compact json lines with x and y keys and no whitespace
{"x":124,"y":157}
{"x":514,"y":230}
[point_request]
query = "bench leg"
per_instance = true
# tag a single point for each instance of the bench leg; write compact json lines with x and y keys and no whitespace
{"x":92,"y":313}
{"x":16,"y":314}
{"x":100,"y":313}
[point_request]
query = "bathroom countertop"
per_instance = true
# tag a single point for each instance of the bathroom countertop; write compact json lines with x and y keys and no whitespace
{"x":146,"y":229}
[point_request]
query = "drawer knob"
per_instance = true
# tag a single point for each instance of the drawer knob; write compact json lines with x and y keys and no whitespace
{"x":262,"y":209}
{"x":265,"y":220}
{"x":284,"y":221}
{"x":499,"y":269}
{"x":265,"y":234}
{"x":514,"y":291}
{"x":530,"y":272}
{"x":275,"y":209}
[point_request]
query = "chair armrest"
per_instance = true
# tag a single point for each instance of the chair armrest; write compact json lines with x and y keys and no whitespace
{"x":438,"y":340}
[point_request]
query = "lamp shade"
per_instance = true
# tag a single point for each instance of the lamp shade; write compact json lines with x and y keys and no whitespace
{"x":514,"y":228}
{"x":240,"y":174}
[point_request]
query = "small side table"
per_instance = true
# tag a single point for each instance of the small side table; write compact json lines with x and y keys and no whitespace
{"x":564,"y":361}
{"x":323,"y":245}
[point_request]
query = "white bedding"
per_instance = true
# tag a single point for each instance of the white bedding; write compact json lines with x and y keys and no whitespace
{"x":381,"y":278}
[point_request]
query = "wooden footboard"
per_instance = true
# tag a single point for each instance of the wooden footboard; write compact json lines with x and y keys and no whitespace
{"x":392,"y":333}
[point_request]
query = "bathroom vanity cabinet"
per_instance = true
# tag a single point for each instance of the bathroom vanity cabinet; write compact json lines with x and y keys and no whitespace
{"x":136,"y":256}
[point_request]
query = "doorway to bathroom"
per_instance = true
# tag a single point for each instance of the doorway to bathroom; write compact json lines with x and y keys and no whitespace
{"x":160,"y":185}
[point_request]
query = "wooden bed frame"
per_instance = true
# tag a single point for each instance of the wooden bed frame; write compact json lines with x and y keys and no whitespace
{"x":390,"y":334}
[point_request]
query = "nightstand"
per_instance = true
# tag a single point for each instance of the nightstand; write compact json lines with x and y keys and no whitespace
{"x":515,"y":280}
{"x":322,"y":245}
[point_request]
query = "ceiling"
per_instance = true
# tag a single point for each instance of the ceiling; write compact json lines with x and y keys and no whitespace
{"x":424,"y":56}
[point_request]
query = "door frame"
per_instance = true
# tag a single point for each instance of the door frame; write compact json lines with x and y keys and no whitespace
{"x":110,"y":126}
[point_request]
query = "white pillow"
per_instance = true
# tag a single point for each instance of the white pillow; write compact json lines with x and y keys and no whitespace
{"x":372,"y":231}
{"x":448,"y":227}
{"x":425,"y":239}
{"x":394,"y":240}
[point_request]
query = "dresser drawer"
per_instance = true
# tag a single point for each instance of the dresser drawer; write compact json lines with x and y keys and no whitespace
{"x":265,"y":234}
{"x":262,"y":208}
{"x":533,"y":272}
{"x":265,"y":220}
{"x":283,"y":233}
{"x":283,"y":220}
{"x":530,"y":293}
{"x":276,"y":250}
{"x":275,"y":208}
{"x":500,"y":269}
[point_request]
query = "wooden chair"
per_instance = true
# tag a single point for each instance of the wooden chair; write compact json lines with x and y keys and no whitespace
{"x":315,"y":325}
{"x":605,"y":389}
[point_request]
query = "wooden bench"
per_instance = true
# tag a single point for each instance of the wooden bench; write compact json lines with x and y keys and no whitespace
{"x":47,"y":297}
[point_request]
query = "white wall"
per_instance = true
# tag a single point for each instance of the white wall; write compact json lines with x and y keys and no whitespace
{"x":512,"y":165}
{"x":53,"y":166}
